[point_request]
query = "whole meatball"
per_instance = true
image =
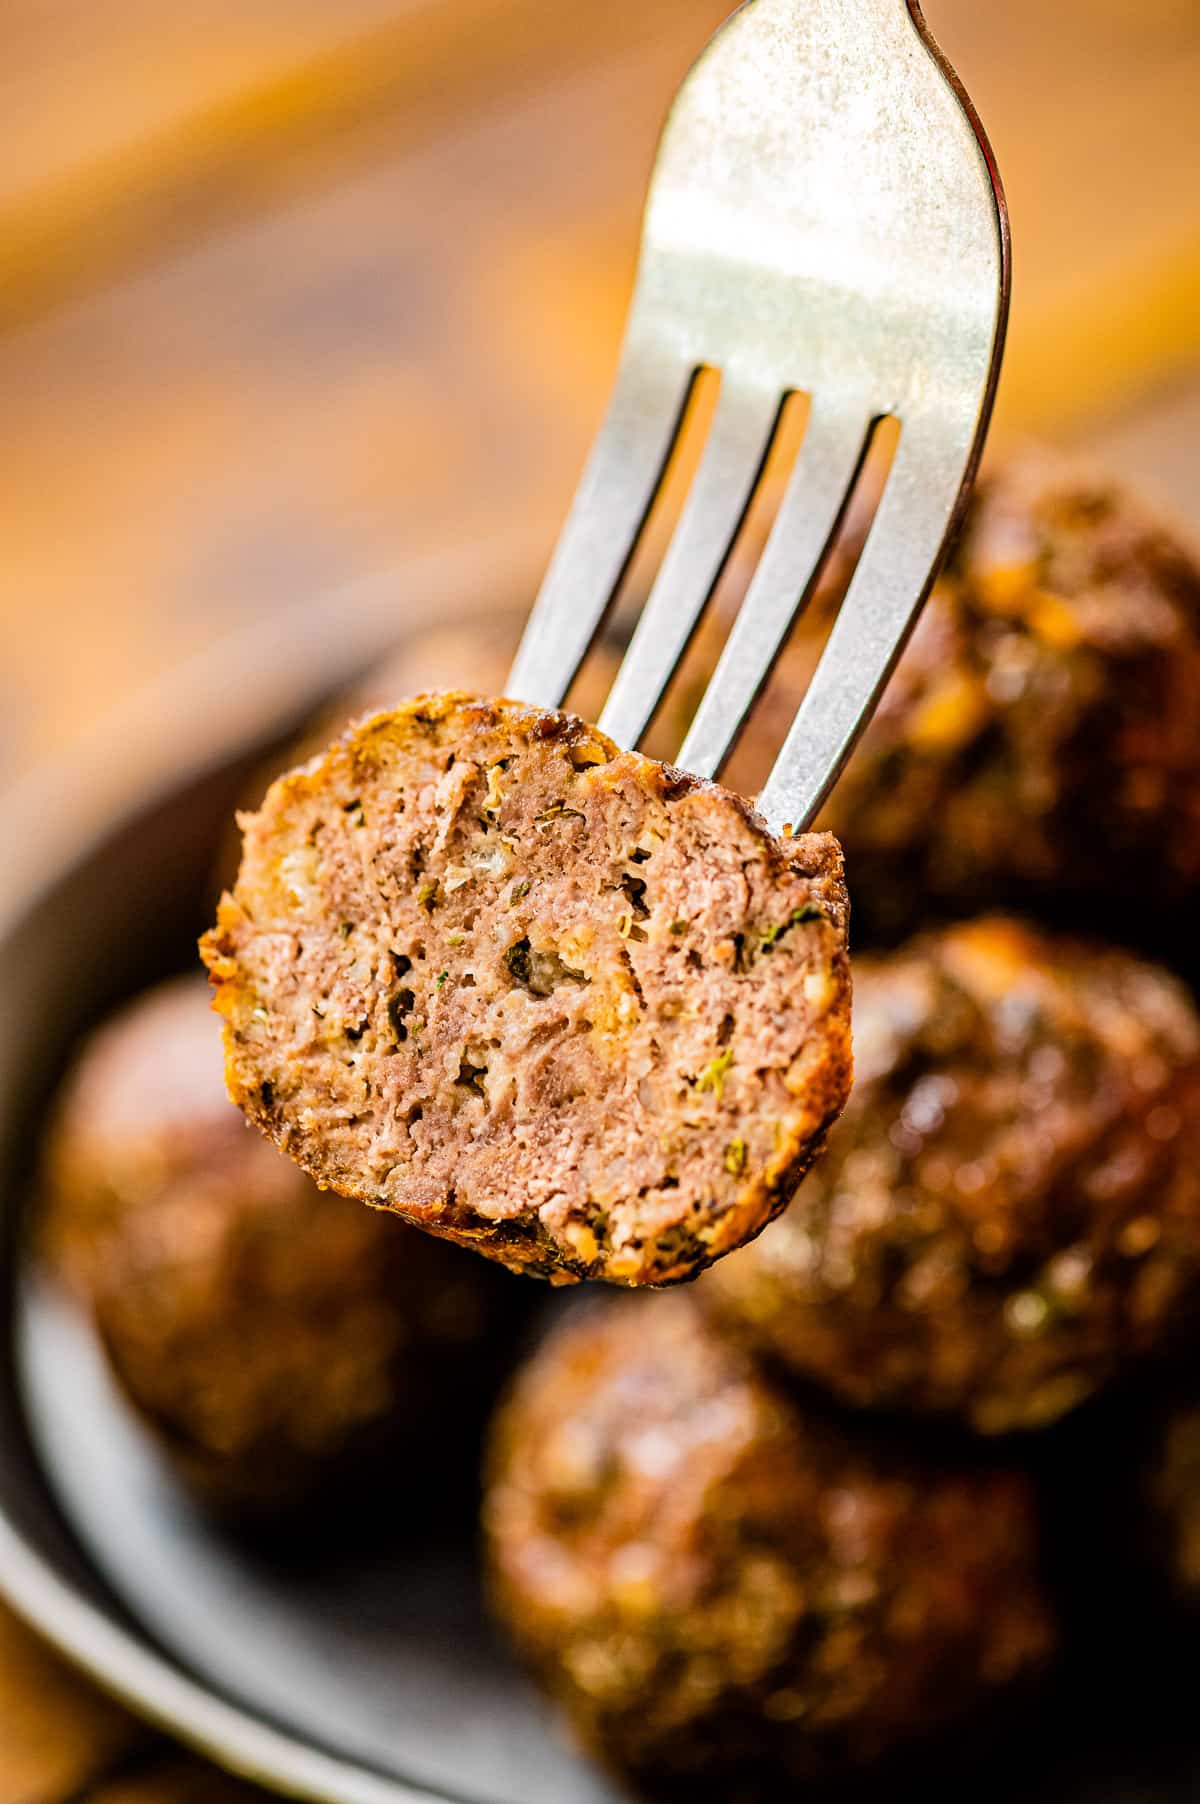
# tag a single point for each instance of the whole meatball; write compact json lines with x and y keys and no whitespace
{"x":271,"y":1333}
{"x":1008,"y":1212}
{"x":1042,"y":729}
{"x":712,"y":1581}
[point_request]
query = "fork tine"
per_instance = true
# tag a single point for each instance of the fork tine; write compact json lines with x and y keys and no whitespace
{"x":818,"y":490}
{"x":623,"y":475}
{"x":730,"y":468}
{"x":895,"y":572}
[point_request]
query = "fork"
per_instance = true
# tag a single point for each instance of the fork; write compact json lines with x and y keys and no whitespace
{"x":825,"y":217}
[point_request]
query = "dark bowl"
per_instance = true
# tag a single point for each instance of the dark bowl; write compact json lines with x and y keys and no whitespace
{"x":369,"y":1675}
{"x":361,"y":1678}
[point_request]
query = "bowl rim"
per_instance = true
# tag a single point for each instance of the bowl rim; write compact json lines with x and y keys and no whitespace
{"x":254,"y":684}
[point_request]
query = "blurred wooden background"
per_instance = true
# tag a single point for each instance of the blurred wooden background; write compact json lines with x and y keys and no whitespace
{"x":291,"y":293}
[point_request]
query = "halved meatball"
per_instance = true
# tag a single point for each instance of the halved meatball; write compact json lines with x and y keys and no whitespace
{"x":554,"y":1001}
{"x":276,"y":1337}
{"x":713,"y":1581}
{"x":1009,"y":1211}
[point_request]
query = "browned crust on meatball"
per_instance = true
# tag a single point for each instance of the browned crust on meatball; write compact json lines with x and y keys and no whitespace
{"x":277,"y":1339}
{"x":1041,"y":729}
{"x":557,"y":1002}
{"x":1008,"y":1214}
{"x":705,"y":1576}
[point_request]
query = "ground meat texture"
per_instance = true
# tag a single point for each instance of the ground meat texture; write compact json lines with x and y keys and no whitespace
{"x":1042,"y":729}
{"x":554,"y":1001}
{"x":1008,"y":1214}
{"x":710,"y":1579}
{"x":274,"y":1336}
{"x":476,"y":656}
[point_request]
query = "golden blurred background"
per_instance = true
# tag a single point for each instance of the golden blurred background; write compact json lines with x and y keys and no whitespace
{"x":294,"y":293}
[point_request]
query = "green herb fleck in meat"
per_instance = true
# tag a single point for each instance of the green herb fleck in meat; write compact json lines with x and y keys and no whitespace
{"x":735,"y":1158}
{"x":714,"y":1074}
{"x":557,"y":811}
{"x":798,"y":918}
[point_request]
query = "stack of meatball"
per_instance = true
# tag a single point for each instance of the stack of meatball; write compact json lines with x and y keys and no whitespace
{"x":792,"y":1522}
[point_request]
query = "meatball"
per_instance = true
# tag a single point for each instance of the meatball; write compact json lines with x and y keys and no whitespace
{"x":1009,"y":1210}
{"x":711,"y":1579}
{"x":554,"y":1001}
{"x":1042,"y":728}
{"x":271,"y":1333}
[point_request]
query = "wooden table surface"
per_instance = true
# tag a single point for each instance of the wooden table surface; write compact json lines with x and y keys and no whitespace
{"x":291,"y":293}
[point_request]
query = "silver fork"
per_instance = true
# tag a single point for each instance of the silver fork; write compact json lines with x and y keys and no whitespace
{"x":825,"y":216}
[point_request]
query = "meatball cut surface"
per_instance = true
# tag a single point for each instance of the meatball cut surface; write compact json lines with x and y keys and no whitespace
{"x":1009,"y":1211}
{"x":277,"y":1339}
{"x":707,"y":1577}
{"x":554,"y":1001}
